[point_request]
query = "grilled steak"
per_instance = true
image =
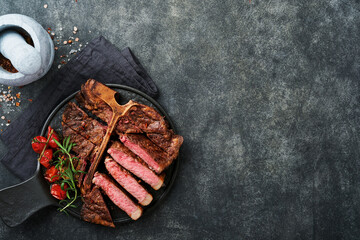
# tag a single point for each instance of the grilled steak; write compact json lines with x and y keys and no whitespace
{"x":138,"y":119}
{"x":117,"y":196}
{"x":128,"y":182}
{"x":94,"y":209}
{"x":154,"y":156}
{"x":80,"y":122}
{"x":135,"y":165}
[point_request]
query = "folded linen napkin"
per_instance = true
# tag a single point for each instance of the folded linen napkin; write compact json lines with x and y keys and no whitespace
{"x":99,"y":60}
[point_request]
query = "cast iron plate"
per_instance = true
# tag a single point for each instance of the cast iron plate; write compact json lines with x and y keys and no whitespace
{"x":126,"y":93}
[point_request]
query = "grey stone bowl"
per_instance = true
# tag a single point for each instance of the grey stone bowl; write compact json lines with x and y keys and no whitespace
{"x":42,"y":42}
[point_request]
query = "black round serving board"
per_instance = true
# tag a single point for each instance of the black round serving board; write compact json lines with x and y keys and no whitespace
{"x":126,"y":94}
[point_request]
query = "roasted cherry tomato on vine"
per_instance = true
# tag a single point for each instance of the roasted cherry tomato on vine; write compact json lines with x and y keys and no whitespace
{"x":52,"y":174}
{"x":38,"y":143}
{"x":52,"y":143}
{"x":57,"y":192}
{"x":46,"y":158}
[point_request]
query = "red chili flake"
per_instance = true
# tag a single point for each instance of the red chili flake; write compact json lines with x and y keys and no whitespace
{"x":17,"y":104}
{"x":62,"y":62}
{"x":56,"y":48}
{"x":8,"y":121}
{"x":70,"y":41}
{"x":30,"y":100}
{"x":49,"y":29}
{"x":18,"y":95}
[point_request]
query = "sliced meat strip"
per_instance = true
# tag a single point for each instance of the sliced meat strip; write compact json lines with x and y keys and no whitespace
{"x":132,"y":163}
{"x":94,"y":209}
{"x":83,"y":147}
{"x":154,"y":156}
{"x":128,"y":182}
{"x":117,"y":196}
{"x":170,"y":143}
{"x":80,"y":122}
{"x":142,"y":118}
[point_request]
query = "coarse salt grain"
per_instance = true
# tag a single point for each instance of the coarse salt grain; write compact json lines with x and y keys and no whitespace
{"x":45,"y":5}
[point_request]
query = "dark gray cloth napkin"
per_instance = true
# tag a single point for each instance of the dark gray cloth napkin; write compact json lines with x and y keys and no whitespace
{"x":99,"y":60}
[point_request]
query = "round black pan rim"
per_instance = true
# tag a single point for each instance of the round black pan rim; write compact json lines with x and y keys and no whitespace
{"x":176,"y":163}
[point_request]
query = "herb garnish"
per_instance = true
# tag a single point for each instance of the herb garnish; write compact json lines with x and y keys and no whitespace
{"x":64,"y":163}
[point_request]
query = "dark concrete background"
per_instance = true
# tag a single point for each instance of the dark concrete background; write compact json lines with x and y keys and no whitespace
{"x":266,"y":95}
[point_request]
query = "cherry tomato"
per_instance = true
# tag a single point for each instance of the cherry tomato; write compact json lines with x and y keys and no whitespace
{"x":52,"y":143}
{"x":46,"y":158}
{"x":57,"y":192}
{"x":52,"y":174}
{"x":38,"y":143}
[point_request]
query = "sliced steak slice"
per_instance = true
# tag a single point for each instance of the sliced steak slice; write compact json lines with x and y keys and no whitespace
{"x":142,"y":118}
{"x":82,"y":164}
{"x":135,"y":165}
{"x":170,"y":143}
{"x":117,"y":196}
{"x":154,"y":156}
{"x":80,"y":122}
{"x":83,"y":147}
{"x":128,"y":182}
{"x":94,"y":209}
{"x":145,"y":119}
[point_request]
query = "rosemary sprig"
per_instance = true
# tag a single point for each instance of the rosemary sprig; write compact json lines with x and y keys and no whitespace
{"x":67,"y":172}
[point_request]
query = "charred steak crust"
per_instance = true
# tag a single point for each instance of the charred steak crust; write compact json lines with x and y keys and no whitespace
{"x":80,"y":122}
{"x":92,"y":103}
{"x":94,"y":209}
{"x":169,"y":143}
{"x":83,"y":147}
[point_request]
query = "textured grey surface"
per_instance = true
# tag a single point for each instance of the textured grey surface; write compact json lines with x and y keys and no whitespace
{"x":266,"y":96}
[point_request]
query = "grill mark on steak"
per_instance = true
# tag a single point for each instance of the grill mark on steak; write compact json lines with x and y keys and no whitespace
{"x":154,"y":156}
{"x":94,"y":209}
{"x":128,"y":182}
{"x":80,"y":122}
{"x":117,"y":196}
{"x":127,"y":159}
{"x":83,"y":148}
